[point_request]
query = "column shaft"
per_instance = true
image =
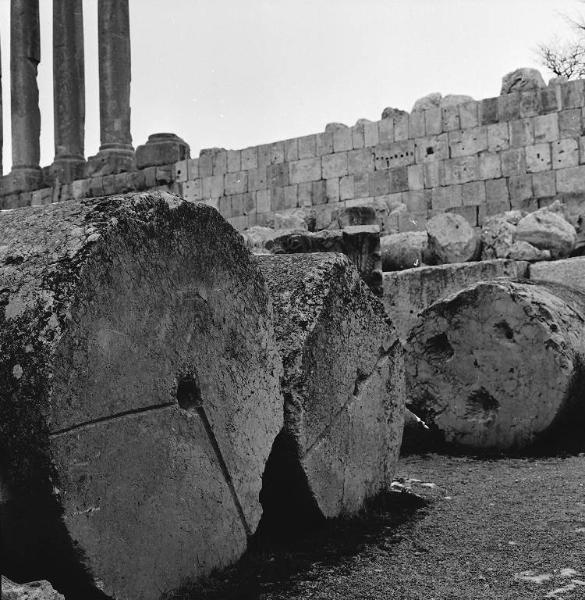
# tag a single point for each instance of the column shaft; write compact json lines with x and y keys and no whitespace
{"x":25,"y":55}
{"x":68,"y":87}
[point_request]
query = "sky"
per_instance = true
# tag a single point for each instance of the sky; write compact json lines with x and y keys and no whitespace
{"x":237,"y":73}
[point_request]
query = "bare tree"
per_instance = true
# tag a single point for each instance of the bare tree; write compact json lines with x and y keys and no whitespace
{"x":564,"y":60}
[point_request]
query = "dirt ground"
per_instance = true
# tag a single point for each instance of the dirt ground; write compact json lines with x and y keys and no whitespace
{"x":456,"y":528}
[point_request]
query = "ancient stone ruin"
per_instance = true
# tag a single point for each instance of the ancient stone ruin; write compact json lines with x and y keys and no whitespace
{"x":191,"y":346}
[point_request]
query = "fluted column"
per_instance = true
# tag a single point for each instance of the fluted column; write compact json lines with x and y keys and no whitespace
{"x":68,"y":88}
{"x":116,"y":152}
{"x":25,"y":55}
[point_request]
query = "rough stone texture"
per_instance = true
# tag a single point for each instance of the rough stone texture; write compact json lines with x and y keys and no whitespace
{"x":389,"y":112}
{"x":139,"y":394}
{"x":25,"y":55}
{"x":68,"y":89}
{"x":404,"y":250}
{"x":342,"y":384}
{"x":499,"y":364}
{"x":35,"y":590}
{"x":294,"y":219}
{"x":407,"y":293}
{"x":354,"y":215}
{"x":452,"y":239}
{"x":429,"y":101}
{"x":525,"y":251}
{"x":360,"y":243}
{"x":497,"y":236}
{"x":455,"y":100}
{"x":547,"y":230}
{"x":162,"y":149}
{"x":255,"y":238}
{"x":522,"y":80}
{"x":569,"y":272}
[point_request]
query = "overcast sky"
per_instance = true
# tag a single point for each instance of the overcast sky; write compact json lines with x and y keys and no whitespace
{"x":236,"y":73}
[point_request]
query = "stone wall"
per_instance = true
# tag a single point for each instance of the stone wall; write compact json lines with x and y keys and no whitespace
{"x":478,"y":158}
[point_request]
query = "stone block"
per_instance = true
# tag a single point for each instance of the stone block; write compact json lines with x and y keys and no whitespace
{"x":324,"y":143}
{"x":213,"y":186}
{"x":498,"y":137}
{"x":224,"y":206}
{"x":357,"y":136}
{"x":277,"y":175}
{"x":291,"y":150}
{"x":243,"y":204}
{"x":513,"y":162}
{"x":277,"y":199}
{"x":193,"y":168}
{"x":530,"y":103}
{"x":96,"y":184}
{"x":521,"y":133}
{"x":379,"y":183}
{"x":450,"y":116}
{"x":205,"y":163}
{"x":544,"y":184}
{"x":433,"y":121}
{"x":468,"y":142}
{"x":346,"y":188}
{"x":306,"y":169}
{"x":109,"y":184}
{"x":236,"y":183}
{"x":291,"y":196}
{"x":571,"y":180}
{"x":305,"y":193}
{"x":334,"y":165}
{"x":342,"y":139}
{"x":234,"y":161}
{"x":473,"y":193}
{"x":570,"y":123}
{"x":469,"y":213}
{"x":42,"y":197}
{"x":386,"y":131}
{"x":371,"y":134}
{"x":434,"y":147}
{"x":360,"y":161}
{"x":361,"y":185}
{"x":582,"y":150}
{"x":263,"y":201}
{"x":538,"y":158}
{"x":468,"y":115}
{"x":461,"y":170}
{"x":490,"y":166}
{"x":163,"y":174}
{"x":319,"y":193}
{"x":257,"y":179}
{"x":572,"y":94}
{"x":219,"y":162}
{"x":276,"y":153}
{"x":549,"y":101}
{"x":193,"y":190}
{"x":488,"y":111}
{"x":509,"y":107}
{"x":546,"y":128}
{"x":398,"y":180}
{"x":416,"y":201}
{"x":80,"y":189}
{"x":416,"y":124}
{"x":239,"y":223}
{"x":399,"y":154}
{"x":180,"y":171}
{"x":433,"y":173}
{"x":416,"y":177}
{"x":162,"y":149}
{"x":332,"y":190}
{"x":565,"y":153}
{"x":411,"y":222}
{"x":520,"y":188}
{"x":264,"y":155}
{"x":401,"y":122}
{"x":307,"y":146}
{"x":496,"y":192}
{"x":443,"y":198}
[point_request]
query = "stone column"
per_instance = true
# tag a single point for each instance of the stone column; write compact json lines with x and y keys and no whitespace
{"x":68,"y":89}
{"x":116,"y":152}
{"x":25,"y":55}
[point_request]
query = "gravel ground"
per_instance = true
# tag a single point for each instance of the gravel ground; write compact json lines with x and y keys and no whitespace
{"x":456,"y":528}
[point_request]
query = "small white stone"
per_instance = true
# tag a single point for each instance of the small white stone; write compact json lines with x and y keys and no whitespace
{"x":17,"y":371}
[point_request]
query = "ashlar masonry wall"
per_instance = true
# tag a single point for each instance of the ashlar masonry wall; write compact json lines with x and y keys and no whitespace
{"x":519,"y":150}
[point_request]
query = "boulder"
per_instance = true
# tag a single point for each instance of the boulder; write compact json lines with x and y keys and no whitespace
{"x":547,"y":230}
{"x":497,"y":237}
{"x":569,"y":272}
{"x":35,"y":590}
{"x":452,"y":239}
{"x":454,"y":100}
{"x":430,"y":101}
{"x":333,"y":127}
{"x":499,"y":365}
{"x":343,"y":388}
{"x":390,"y":113}
{"x":404,"y":250}
{"x":255,"y":238}
{"x":525,"y":251}
{"x":522,"y":80}
{"x":355,"y":215}
{"x":408,"y":292}
{"x":139,"y":393}
{"x":296,"y":218}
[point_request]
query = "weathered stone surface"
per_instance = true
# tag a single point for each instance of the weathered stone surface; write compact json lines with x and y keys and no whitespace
{"x":452,"y":239}
{"x":35,"y":590}
{"x":389,"y":112}
{"x":162,"y":149}
{"x":256,"y":237}
{"x":404,"y":250}
{"x":297,"y":218}
{"x":429,"y":101}
{"x":360,"y":243}
{"x":455,"y":100}
{"x":499,"y":364}
{"x":497,"y":236}
{"x":342,"y":385}
{"x":408,"y":292}
{"x":524,"y":251}
{"x":139,"y":393}
{"x":333,"y":127}
{"x":355,"y":215}
{"x":547,"y":230}
{"x":522,"y":80}
{"x":569,"y":272}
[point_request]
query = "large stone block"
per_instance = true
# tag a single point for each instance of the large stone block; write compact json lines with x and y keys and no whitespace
{"x":569,"y":272}
{"x":162,"y":149}
{"x":468,"y":142}
{"x":565,"y":153}
{"x":334,"y":165}
{"x":538,"y":158}
{"x":124,"y":418}
{"x":304,"y":170}
{"x":571,"y":180}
